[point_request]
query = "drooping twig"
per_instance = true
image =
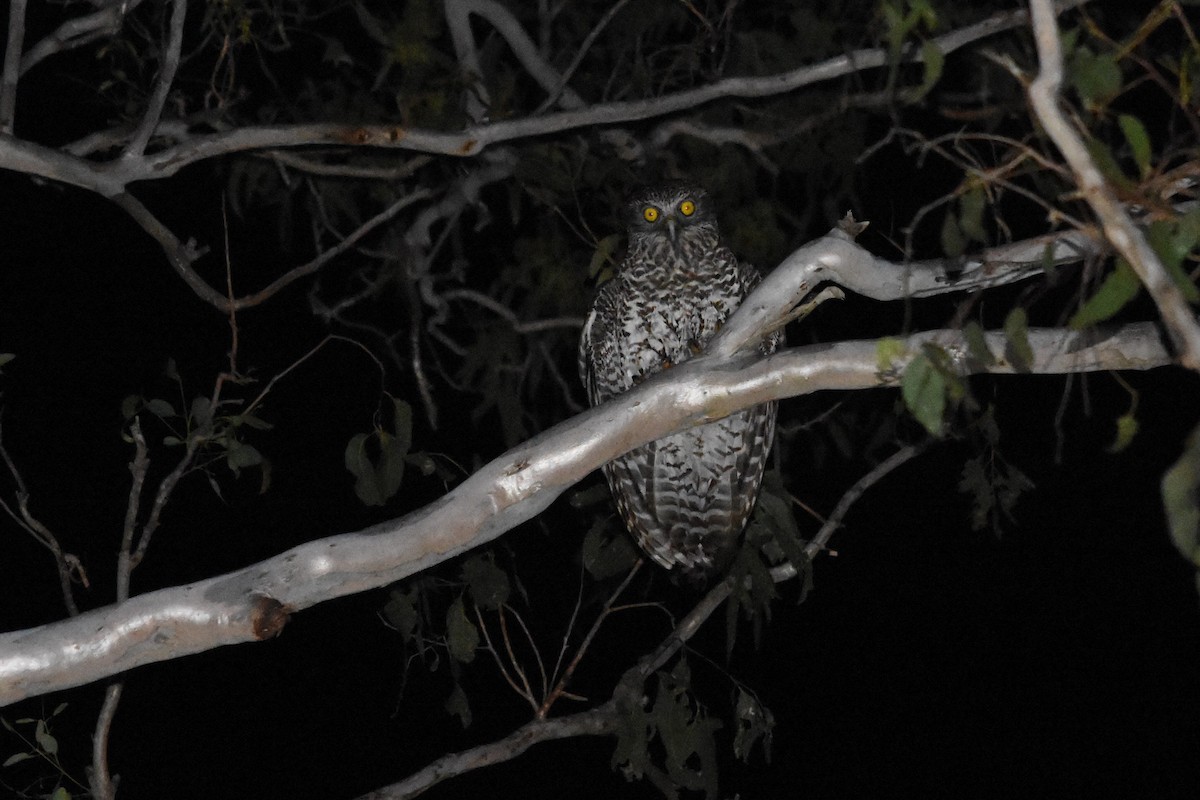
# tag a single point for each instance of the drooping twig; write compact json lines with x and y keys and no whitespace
{"x":561,"y":686}
{"x":67,"y":565}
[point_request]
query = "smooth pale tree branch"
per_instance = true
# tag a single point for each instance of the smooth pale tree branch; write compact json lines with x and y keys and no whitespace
{"x":29,"y":158}
{"x":112,"y":178}
{"x":1119,"y":228}
{"x":77,"y":32}
{"x":478,"y":137}
{"x":9,"y":76}
{"x":168,"y":64}
{"x":253,"y":603}
{"x":837,"y":257}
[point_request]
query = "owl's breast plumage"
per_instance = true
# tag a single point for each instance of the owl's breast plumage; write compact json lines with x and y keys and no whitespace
{"x":686,"y":497}
{"x":657,"y":318}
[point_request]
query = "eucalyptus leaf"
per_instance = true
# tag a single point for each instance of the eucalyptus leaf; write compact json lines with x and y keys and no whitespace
{"x":1181,"y":499}
{"x":462,"y":636}
{"x":1017,"y":348}
{"x":1116,"y":291}
{"x":1138,"y":140}
{"x":488,"y":584}
{"x":923,"y":388}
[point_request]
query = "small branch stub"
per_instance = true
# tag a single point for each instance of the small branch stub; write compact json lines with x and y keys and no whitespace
{"x":269,"y":617}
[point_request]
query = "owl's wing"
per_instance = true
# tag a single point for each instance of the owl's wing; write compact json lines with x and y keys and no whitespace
{"x":595,"y":343}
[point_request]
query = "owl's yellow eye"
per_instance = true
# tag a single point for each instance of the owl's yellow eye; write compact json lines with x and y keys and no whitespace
{"x":650,"y":214}
{"x":687,"y":208}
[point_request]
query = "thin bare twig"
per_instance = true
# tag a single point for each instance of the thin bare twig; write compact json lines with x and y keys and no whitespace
{"x":66,"y":564}
{"x":504,"y":672}
{"x":561,"y":686}
{"x":565,"y":78}
{"x":78,"y":32}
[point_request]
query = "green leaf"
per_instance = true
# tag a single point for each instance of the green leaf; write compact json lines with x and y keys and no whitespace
{"x":6,"y":357}
{"x":888,"y":351}
{"x":974,"y":482}
{"x":1181,"y":499}
{"x":971,"y":205}
{"x":1048,"y":265}
{"x":161,"y":408}
{"x":1127,"y":428}
{"x":604,"y":258}
{"x":402,"y":420}
{"x":201,"y":411}
{"x":686,"y":732}
{"x":1115,"y":292}
{"x":422,"y":461}
{"x":251,"y":421}
{"x":605,"y":555}
{"x":934,"y":61}
{"x":923,"y":388}
{"x":1097,"y":78}
{"x":977,"y":348}
{"x":1017,"y":349}
{"x":1107,"y":164}
{"x":15,"y":758}
{"x":461,"y":634}
{"x":400,"y":611}
{"x":216,"y":487}
{"x":457,"y":705}
{"x":1138,"y":140}
{"x":266,"y":469}
{"x":488,"y":583}
{"x":130,"y":406}
{"x":590,"y":496}
{"x":240,"y":454}
{"x":755,"y":723}
{"x":366,"y":486}
{"x":954,"y":241}
{"x":60,"y":793}
{"x":1173,"y":240}
{"x":46,"y":742}
{"x":390,"y":470}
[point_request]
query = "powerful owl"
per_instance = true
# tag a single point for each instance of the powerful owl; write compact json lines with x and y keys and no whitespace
{"x":685,"y":497}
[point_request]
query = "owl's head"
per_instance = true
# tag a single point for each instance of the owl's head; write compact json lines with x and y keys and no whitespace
{"x":669,"y":210}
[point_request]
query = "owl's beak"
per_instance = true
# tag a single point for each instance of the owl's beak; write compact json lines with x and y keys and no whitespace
{"x":673,"y":231}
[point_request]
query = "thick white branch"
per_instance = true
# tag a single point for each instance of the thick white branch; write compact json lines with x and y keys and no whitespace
{"x":252,"y":603}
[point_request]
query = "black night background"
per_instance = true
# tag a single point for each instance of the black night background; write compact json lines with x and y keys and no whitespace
{"x":1052,"y":654}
